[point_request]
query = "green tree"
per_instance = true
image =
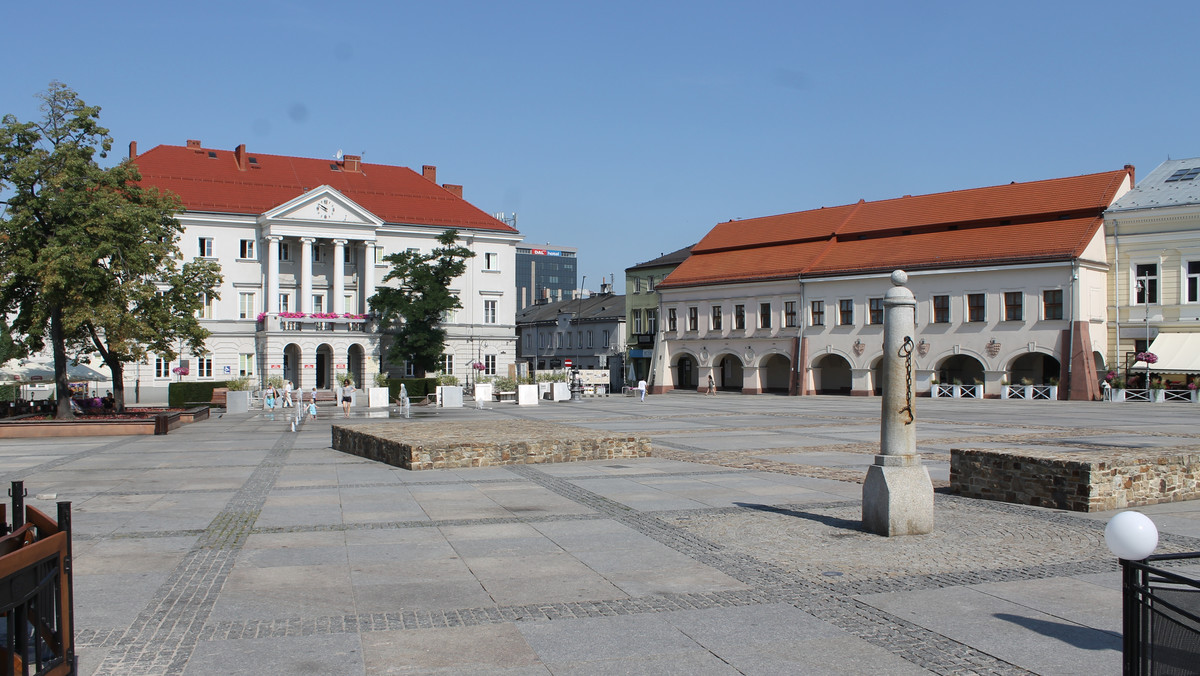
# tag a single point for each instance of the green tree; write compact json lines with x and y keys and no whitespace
{"x":86,"y":254}
{"x":415,"y":307}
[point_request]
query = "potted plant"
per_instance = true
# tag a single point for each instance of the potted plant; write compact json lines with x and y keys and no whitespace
{"x":1053,"y":383}
{"x":933,"y":387}
{"x":956,"y":392}
{"x":1004,"y":387}
{"x":1156,"y":390}
{"x":483,"y":389}
{"x":1118,"y":388}
{"x":377,"y":396}
{"x":449,"y":393}
{"x":1194,"y":391}
{"x":237,"y":400}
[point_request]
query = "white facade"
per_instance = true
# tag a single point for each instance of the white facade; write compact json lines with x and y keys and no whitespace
{"x":294,"y":300}
{"x":828,"y":326}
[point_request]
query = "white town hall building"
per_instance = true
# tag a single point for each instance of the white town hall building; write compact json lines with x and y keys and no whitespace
{"x":301,"y":243}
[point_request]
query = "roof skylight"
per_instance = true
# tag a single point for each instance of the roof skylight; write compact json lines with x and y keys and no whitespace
{"x":1184,"y":175}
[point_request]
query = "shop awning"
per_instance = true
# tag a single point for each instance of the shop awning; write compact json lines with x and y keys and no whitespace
{"x":1176,"y":352}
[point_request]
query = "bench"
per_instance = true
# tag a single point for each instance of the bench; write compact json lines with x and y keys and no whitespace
{"x":506,"y":396}
{"x":218,"y":396}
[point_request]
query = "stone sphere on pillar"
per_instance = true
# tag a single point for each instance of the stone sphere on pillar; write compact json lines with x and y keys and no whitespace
{"x":899,"y":278}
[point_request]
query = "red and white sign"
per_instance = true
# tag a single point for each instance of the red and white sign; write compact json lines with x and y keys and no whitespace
{"x":276,"y":366}
{"x":567,"y":363}
{"x":341,"y":366}
{"x":310,"y":366}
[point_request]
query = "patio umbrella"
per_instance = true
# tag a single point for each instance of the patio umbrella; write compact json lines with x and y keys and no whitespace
{"x":28,"y":371}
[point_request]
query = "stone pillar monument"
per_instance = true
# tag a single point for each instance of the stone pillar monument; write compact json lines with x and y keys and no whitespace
{"x":897,"y":493}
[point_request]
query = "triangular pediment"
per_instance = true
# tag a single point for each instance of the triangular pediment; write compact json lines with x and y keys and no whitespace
{"x":322,"y":205}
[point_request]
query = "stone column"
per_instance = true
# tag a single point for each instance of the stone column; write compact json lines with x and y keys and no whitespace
{"x":306,"y":244}
{"x":339,"y":277}
{"x":897,"y":493}
{"x":273,"y":273}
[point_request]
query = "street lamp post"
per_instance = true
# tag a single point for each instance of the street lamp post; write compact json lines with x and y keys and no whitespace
{"x":1144,"y":290}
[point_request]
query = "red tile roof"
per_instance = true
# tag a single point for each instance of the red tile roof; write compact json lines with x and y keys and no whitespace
{"x":1015,"y":223}
{"x":215,"y":184}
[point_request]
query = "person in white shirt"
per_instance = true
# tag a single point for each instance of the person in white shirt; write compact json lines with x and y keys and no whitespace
{"x":642,"y":388}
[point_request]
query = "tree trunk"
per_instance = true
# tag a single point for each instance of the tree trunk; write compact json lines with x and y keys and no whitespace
{"x":117,"y":368}
{"x":62,"y":383}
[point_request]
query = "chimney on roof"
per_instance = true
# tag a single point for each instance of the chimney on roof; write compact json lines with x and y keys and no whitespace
{"x":430,"y":173}
{"x":133,"y":150}
{"x":193,"y":143}
{"x":239,"y":156}
{"x":352,"y":163}
{"x":455,"y":190}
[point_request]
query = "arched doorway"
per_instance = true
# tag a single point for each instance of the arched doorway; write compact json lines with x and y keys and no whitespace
{"x":877,"y":377}
{"x":291,"y":363}
{"x":835,"y":375}
{"x":776,"y":373}
{"x":962,"y":369}
{"x":354,"y":364}
{"x":686,"y":374}
{"x":729,"y":373}
{"x":1035,"y":367}
{"x":324,"y":366}
{"x":1101,"y":369}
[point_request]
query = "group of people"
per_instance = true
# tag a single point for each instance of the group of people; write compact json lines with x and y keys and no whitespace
{"x":279,"y":398}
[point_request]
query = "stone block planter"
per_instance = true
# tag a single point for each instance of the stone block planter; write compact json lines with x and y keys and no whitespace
{"x":527,"y":395}
{"x":483,"y":392}
{"x":377,"y":397}
{"x":450,"y":396}
{"x":237,"y":401}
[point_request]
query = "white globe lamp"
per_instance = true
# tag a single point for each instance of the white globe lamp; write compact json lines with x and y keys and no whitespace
{"x":1131,"y":536}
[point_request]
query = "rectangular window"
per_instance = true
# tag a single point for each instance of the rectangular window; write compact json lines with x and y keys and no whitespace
{"x":1193,"y":282}
{"x":716,"y":318}
{"x":559,"y":341}
{"x":637,"y":321}
{"x":206,"y":247}
{"x":246,"y":308}
{"x":846,"y":312}
{"x":764,"y":315}
{"x":693,"y":319}
{"x":604,"y":336}
{"x":818,"y":313}
{"x":651,"y":321}
{"x":489,"y":364}
{"x":589,"y":340}
{"x":528,"y":341}
{"x":875,"y":311}
{"x":285,"y":251}
{"x":246,"y":250}
{"x":348,"y":255}
{"x":1052,"y":304}
{"x":570,"y":341}
{"x":1014,"y":306}
{"x":489,"y":312}
{"x":941,"y":309}
{"x":672,"y":324}
{"x":245,"y":364}
{"x":637,"y":284}
{"x":379,"y":253}
{"x":976,"y":307}
{"x":410,"y":370}
{"x":446,"y":363}
{"x":739,"y":317}
{"x":318,"y":253}
{"x":491,"y":261}
{"x":206,"y":307}
{"x":285,"y":302}
{"x":162,"y":368}
{"x":318,"y":302}
{"x":1146,"y":283}
{"x":204,"y":367}
{"x":789,"y":313}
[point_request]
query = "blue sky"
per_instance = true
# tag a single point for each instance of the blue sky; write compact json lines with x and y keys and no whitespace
{"x":629,"y":129}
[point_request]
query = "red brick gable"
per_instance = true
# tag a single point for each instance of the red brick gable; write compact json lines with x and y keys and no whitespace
{"x":1020,"y":222}
{"x":211,"y":180}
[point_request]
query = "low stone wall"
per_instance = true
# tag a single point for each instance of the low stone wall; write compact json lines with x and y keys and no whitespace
{"x":1081,"y":481}
{"x":443,"y":445}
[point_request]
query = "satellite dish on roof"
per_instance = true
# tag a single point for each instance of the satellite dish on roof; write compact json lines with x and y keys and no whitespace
{"x":338,"y":155}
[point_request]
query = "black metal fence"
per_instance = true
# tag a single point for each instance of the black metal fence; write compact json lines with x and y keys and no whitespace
{"x":1161,"y":618}
{"x":37,"y":633}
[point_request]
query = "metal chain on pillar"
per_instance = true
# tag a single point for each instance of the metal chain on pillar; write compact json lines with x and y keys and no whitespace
{"x":905,"y":351}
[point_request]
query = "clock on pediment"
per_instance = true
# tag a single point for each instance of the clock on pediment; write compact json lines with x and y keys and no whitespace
{"x":326,"y":208}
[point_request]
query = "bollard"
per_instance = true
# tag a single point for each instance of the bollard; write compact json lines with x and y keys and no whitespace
{"x":897,"y":492}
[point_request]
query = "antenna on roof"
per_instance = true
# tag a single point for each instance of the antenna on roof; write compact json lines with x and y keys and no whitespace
{"x":338,"y":155}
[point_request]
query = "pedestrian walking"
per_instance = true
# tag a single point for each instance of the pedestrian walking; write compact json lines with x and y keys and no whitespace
{"x":347,"y":396}
{"x":314,"y":396}
{"x":642,"y":388}
{"x":269,"y":398}
{"x":712,"y":386}
{"x":287,"y":393}
{"x":312,"y":408}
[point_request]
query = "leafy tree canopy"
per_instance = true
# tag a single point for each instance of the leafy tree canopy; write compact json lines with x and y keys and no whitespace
{"x":415,"y":307}
{"x":88,"y":256}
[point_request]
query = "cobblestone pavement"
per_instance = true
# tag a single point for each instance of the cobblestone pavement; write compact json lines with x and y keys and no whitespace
{"x":236,"y":546}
